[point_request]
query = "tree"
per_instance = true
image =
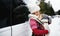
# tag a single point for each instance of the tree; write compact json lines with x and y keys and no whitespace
{"x":46,"y":8}
{"x":58,"y":12}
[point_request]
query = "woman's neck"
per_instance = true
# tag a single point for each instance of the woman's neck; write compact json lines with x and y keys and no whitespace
{"x":40,"y":17}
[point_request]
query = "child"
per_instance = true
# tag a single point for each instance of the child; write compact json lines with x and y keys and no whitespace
{"x":37,"y":22}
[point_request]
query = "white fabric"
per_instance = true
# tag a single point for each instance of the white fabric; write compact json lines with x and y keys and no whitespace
{"x":32,"y":15}
{"x":46,"y":26}
{"x":35,"y":17}
{"x":33,"y":8}
{"x":44,"y":20}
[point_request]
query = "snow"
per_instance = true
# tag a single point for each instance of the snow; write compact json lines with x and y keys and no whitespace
{"x":54,"y":27}
{"x":22,"y":29}
{"x":5,"y":31}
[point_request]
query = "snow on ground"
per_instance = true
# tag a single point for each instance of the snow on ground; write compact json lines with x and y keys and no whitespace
{"x":5,"y":31}
{"x":22,"y":29}
{"x":25,"y":30}
{"x":55,"y":27}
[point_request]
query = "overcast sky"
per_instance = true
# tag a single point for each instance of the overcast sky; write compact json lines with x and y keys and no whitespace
{"x":55,"y":4}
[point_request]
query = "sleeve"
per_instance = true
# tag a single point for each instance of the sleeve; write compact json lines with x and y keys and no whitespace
{"x":33,"y":23}
{"x":35,"y":30}
{"x":40,"y":32}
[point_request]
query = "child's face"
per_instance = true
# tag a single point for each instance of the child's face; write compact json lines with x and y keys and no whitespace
{"x":37,"y":13}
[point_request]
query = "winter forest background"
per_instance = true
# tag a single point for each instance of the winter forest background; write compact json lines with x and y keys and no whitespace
{"x":47,"y":8}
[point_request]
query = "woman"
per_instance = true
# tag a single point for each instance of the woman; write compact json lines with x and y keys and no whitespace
{"x":37,"y":22}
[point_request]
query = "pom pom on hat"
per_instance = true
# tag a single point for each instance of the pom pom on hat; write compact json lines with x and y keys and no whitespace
{"x":33,"y":8}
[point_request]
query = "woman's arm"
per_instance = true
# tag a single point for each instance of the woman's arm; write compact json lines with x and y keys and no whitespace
{"x":39,"y":32}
